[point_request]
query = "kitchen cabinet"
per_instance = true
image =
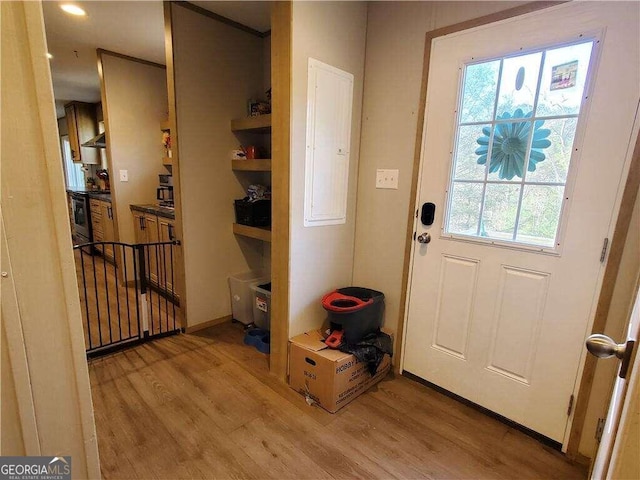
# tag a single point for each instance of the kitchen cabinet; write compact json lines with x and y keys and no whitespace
{"x":146,"y":231}
{"x":169,"y":276}
{"x":103,"y":227}
{"x":82,"y":124}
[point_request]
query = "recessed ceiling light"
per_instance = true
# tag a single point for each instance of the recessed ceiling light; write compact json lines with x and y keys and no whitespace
{"x":49,"y":56}
{"x":73,"y":9}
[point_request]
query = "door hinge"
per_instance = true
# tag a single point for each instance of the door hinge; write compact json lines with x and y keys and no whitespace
{"x":414,"y":235}
{"x":417,"y":211}
{"x":570,"y":407}
{"x":603,"y":254}
{"x":600,"y":429}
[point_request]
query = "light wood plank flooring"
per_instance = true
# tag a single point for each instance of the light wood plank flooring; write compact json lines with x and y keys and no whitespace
{"x":205,"y":406}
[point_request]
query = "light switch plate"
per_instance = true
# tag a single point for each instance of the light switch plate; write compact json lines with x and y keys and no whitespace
{"x":387,"y":179}
{"x":124,"y":175}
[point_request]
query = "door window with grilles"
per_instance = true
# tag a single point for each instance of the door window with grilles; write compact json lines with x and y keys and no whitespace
{"x":516,"y":126}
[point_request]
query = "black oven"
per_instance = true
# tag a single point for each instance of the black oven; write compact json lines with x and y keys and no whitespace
{"x":81,"y":218}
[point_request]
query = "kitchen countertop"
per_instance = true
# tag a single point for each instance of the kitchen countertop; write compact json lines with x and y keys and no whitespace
{"x":155,"y":210}
{"x":98,"y":194}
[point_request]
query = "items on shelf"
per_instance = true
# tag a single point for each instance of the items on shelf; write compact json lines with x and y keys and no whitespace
{"x":166,"y":143}
{"x":103,"y":175}
{"x":258,"y":192}
{"x":259,"y":107}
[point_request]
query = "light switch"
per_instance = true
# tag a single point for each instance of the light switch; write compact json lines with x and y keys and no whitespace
{"x":387,"y":179}
{"x":124,"y":175}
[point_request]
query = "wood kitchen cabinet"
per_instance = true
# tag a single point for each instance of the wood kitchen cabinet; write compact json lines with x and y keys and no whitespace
{"x":160,"y":262}
{"x":167,"y":233}
{"x":82,"y":124}
{"x":103,"y":227}
{"x":146,"y":231}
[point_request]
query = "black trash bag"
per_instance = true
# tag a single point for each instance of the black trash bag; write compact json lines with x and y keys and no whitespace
{"x":370,"y":350}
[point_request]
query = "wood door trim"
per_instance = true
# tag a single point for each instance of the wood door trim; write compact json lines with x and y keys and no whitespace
{"x":107,"y":131}
{"x":175,"y":151}
{"x":102,"y":51}
{"x":620,"y":231}
{"x":281,"y":30}
{"x":225,"y":20}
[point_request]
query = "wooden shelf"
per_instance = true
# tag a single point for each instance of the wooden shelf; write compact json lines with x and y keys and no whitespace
{"x":258,"y":165}
{"x":167,"y":161}
{"x":164,"y":125}
{"x":260,"y":233}
{"x":258,"y":124}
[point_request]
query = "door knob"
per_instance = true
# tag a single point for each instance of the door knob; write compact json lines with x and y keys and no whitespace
{"x":424,"y":237}
{"x":604,"y":347}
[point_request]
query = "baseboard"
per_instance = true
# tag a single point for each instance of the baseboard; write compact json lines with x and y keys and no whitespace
{"x":210,"y":323}
{"x":580,"y":459}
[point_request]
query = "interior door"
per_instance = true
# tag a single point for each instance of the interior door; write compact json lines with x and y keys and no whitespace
{"x":527,"y":128}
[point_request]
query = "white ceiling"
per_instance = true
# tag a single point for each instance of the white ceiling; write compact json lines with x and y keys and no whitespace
{"x":134,"y":28}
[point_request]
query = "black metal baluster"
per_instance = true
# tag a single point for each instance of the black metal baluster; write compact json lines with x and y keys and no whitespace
{"x":95,"y":285}
{"x":115,"y":273}
{"x":126,"y":287}
{"x":164,"y":273}
{"x":173,"y":288}
{"x":86,"y":302}
{"x":138,"y":283}
{"x":106,"y":289}
{"x":150,"y":289}
{"x":160,"y":287}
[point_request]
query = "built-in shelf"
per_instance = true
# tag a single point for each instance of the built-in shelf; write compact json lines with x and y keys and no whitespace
{"x":258,"y":124}
{"x":260,"y":233}
{"x":167,"y":161}
{"x":164,"y":125}
{"x":259,"y":165}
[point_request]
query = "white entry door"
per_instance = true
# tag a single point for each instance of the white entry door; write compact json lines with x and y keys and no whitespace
{"x":525,"y":147}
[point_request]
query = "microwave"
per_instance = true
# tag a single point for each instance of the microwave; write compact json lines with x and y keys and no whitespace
{"x":165,"y":180}
{"x":165,"y":194}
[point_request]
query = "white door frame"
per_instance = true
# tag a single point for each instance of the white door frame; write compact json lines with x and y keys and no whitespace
{"x":618,"y":230}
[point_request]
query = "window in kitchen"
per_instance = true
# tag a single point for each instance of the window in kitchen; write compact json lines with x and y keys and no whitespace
{"x":73,"y":171}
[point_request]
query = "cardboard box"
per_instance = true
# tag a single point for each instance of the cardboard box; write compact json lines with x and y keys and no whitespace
{"x":329,"y":377}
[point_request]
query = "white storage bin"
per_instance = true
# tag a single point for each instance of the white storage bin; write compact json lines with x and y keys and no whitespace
{"x":242,"y":297}
{"x":262,"y":305}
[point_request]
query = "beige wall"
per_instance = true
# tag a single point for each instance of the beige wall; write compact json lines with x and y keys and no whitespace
{"x":322,"y":257}
{"x":41,"y":319}
{"x":11,"y":439}
{"x":217,"y":69}
{"x":393,"y":77}
{"x":134,"y":99}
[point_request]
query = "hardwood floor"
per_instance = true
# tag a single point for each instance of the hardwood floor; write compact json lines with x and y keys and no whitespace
{"x":204,"y":406}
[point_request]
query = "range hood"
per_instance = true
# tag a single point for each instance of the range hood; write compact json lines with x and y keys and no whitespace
{"x":96,"y":142}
